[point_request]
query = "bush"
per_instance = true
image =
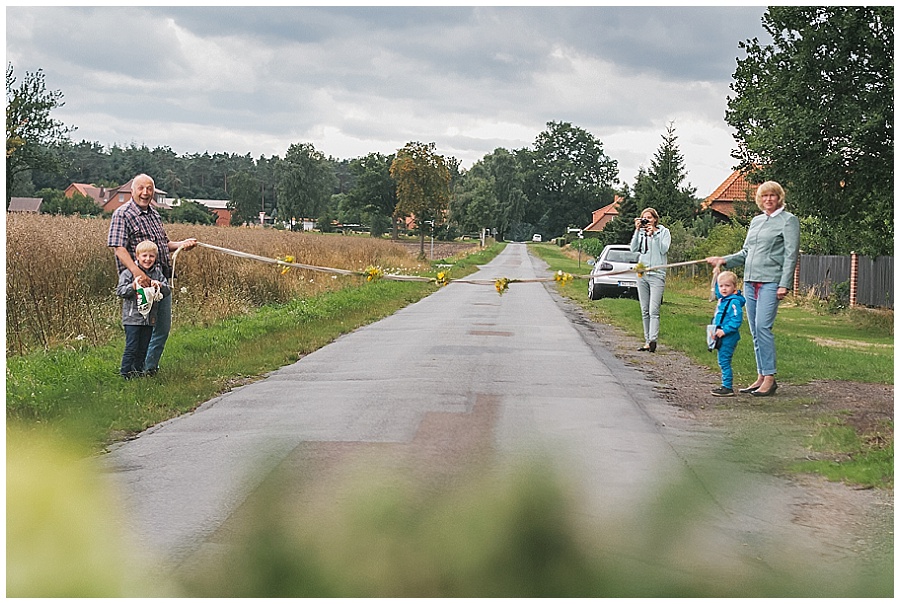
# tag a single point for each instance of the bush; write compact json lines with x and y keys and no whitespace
{"x":839,"y":299}
{"x":591,"y":247}
{"x":683,"y":243}
{"x":56,"y":202}
{"x":722,"y":240}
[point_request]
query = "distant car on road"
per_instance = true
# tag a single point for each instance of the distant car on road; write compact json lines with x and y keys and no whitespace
{"x":613,"y":259}
{"x":536,"y":237}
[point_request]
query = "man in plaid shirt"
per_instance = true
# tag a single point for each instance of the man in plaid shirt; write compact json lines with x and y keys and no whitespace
{"x":132,"y":223}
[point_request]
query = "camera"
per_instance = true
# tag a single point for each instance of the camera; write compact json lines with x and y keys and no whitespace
{"x":645,"y":221}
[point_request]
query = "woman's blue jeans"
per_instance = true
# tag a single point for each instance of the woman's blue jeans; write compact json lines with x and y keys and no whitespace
{"x":160,"y":333}
{"x":650,"y":293}
{"x":762,"y":306}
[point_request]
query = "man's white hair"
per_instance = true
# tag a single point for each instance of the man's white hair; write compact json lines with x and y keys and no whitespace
{"x":135,"y":180}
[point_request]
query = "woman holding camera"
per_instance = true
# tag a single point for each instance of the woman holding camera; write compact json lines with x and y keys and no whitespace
{"x":769,"y":257}
{"x":651,"y":240}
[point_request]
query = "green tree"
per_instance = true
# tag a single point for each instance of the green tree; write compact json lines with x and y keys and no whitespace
{"x":722,"y":239}
{"x":490,"y":195}
{"x":87,"y":163}
{"x":814,"y":110}
{"x":661,"y":186}
{"x":567,"y":176}
{"x":244,"y":200}
{"x":344,"y":177}
{"x":374,"y":193}
{"x":473,"y":204}
{"x":32,"y":136}
{"x":191,"y":212}
{"x":305,"y":184}
{"x":620,"y":229}
{"x":423,"y":185}
{"x":508,"y":184}
{"x":329,"y":214}
{"x":56,"y":202}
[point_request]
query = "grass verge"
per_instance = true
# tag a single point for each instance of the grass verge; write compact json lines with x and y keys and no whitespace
{"x":77,"y":392}
{"x":812,"y":346}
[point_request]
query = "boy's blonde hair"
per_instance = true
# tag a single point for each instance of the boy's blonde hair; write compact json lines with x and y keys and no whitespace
{"x":729,"y":276}
{"x":146,"y":246}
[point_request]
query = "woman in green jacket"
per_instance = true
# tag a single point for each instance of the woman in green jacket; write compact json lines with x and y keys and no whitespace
{"x":651,"y":240}
{"x":769,"y":257}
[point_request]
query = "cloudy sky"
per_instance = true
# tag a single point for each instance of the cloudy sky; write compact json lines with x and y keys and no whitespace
{"x":356,"y":79}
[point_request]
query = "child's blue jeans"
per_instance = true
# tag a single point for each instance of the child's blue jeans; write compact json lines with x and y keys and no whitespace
{"x":726,"y":351}
{"x":137,"y":338}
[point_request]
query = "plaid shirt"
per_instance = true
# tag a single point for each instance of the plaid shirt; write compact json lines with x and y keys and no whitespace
{"x":130,"y":225}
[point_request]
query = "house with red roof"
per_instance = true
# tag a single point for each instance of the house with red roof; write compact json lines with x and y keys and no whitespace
{"x":110,"y":199}
{"x":735,"y":188}
{"x":600,"y":218}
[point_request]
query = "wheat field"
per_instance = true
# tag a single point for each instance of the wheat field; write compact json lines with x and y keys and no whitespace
{"x":61,"y":276}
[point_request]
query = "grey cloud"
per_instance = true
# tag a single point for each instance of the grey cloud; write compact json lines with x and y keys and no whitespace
{"x":125,"y":42}
{"x":682,"y":42}
{"x":308,"y":24}
{"x":378,"y":73}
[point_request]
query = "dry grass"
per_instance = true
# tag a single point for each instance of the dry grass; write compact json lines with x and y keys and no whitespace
{"x":61,"y":276}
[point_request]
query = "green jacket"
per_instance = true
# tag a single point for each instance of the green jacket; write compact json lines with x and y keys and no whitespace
{"x":770,"y":250}
{"x":654,"y":251}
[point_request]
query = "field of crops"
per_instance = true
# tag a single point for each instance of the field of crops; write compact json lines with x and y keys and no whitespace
{"x":61,"y":276}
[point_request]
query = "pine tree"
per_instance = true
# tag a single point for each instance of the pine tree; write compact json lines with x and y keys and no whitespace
{"x":661,"y":186}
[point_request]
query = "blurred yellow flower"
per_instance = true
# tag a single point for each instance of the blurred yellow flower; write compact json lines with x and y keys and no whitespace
{"x":373,"y":273}
{"x":502,"y":285}
{"x":442,"y":279}
{"x":286,"y":259}
{"x":640,"y":268}
{"x":563,"y":278}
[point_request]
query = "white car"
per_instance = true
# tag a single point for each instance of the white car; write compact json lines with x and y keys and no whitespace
{"x":613,"y":259}
{"x":536,"y":237}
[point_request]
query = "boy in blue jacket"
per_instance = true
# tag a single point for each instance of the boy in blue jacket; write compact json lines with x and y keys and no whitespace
{"x":727,"y":319}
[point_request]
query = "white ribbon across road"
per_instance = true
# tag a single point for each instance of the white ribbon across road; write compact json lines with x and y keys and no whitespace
{"x":341,"y":271}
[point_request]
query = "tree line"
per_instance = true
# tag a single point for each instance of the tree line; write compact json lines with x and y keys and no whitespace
{"x":813,"y":110}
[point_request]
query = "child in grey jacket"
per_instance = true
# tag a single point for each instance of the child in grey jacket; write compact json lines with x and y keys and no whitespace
{"x":138,"y":309}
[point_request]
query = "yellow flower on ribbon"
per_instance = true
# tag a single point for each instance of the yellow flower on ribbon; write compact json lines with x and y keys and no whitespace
{"x":442,"y":279}
{"x":640,"y":268}
{"x":563,"y":278}
{"x":502,"y":285}
{"x":285,"y":269}
{"x":373,"y":273}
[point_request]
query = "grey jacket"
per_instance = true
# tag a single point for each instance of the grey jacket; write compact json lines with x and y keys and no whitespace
{"x":125,"y":290}
{"x":770,"y":250}
{"x":654,"y":251}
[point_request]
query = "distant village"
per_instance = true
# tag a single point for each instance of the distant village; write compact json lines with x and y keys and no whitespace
{"x":721,"y":202}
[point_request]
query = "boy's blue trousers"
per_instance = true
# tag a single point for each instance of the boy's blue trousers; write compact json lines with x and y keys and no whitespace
{"x":726,"y":351}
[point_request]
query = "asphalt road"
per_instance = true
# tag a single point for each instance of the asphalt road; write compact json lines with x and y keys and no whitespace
{"x":460,"y":375}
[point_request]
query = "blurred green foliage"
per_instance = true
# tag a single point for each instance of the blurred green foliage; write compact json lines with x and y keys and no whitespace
{"x":515,"y":530}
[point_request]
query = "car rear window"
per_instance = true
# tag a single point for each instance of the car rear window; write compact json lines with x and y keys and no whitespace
{"x":622,"y":256}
